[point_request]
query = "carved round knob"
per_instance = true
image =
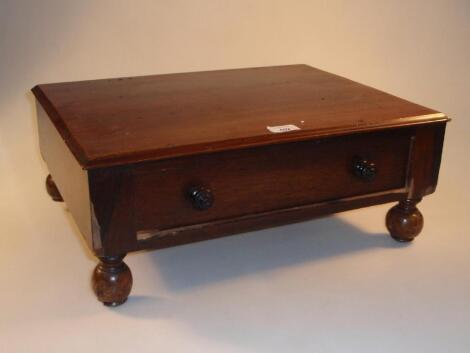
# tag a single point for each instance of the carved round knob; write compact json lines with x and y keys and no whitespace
{"x":364,"y":169}
{"x":201,"y":197}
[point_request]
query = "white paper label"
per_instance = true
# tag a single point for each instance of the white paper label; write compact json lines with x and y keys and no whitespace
{"x":282,"y":128}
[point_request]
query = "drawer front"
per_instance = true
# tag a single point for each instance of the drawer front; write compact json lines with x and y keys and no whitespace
{"x":203,"y":188}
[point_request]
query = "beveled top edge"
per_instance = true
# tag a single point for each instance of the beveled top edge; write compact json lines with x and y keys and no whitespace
{"x":219,"y":146}
{"x":88,"y":161}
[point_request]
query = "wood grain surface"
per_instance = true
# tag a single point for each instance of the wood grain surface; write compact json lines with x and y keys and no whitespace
{"x":126,"y":120}
{"x":267,"y":178}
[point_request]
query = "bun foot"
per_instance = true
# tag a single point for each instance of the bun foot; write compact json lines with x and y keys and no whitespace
{"x":112,"y":280}
{"x":404,"y":221}
{"x":52,"y":190}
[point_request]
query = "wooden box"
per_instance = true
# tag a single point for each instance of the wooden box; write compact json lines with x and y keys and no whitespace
{"x":157,"y":161}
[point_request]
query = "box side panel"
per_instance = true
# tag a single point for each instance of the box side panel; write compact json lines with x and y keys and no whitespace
{"x":70,"y":178}
{"x":425,"y":159}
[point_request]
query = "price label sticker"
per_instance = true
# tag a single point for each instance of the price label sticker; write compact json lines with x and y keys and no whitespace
{"x":282,"y":128}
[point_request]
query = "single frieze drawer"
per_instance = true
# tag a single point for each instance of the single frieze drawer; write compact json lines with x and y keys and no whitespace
{"x":237,"y":183}
{"x":157,"y":161}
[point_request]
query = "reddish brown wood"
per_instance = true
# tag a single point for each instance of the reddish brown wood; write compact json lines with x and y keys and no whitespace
{"x":166,"y":160}
{"x":52,"y":190}
{"x":126,"y":120}
{"x":69,"y":177}
{"x":404,"y":221}
{"x":267,"y":178}
{"x":425,"y":159}
{"x":112,"y":280}
{"x":113,"y":211}
{"x":225,"y":227}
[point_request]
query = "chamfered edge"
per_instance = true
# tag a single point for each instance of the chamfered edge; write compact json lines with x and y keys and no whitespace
{"x":58,"y":122}
{"x":90,"y":162}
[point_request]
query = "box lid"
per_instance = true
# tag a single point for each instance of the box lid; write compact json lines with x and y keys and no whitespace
{"x":126,"y":120}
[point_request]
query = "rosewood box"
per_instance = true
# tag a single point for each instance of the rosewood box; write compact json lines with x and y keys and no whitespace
{"x":157,"y":161}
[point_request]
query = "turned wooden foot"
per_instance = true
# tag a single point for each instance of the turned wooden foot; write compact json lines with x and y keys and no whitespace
{"x":404,"y":221}
{"x":112,"y":280}
{"x":52,"y":190}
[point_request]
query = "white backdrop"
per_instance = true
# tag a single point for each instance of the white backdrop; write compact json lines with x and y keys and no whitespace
{"x":338,"y":284}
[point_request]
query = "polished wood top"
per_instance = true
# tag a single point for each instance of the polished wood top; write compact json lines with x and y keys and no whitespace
{"x":125,"y":120}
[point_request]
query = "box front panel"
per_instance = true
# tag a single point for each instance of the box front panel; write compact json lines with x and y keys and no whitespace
{"x":250,"y":181}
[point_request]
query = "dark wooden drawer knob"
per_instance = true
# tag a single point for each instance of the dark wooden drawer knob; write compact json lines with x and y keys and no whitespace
{"x":201,"y":197}
{"x":364,"y":169}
